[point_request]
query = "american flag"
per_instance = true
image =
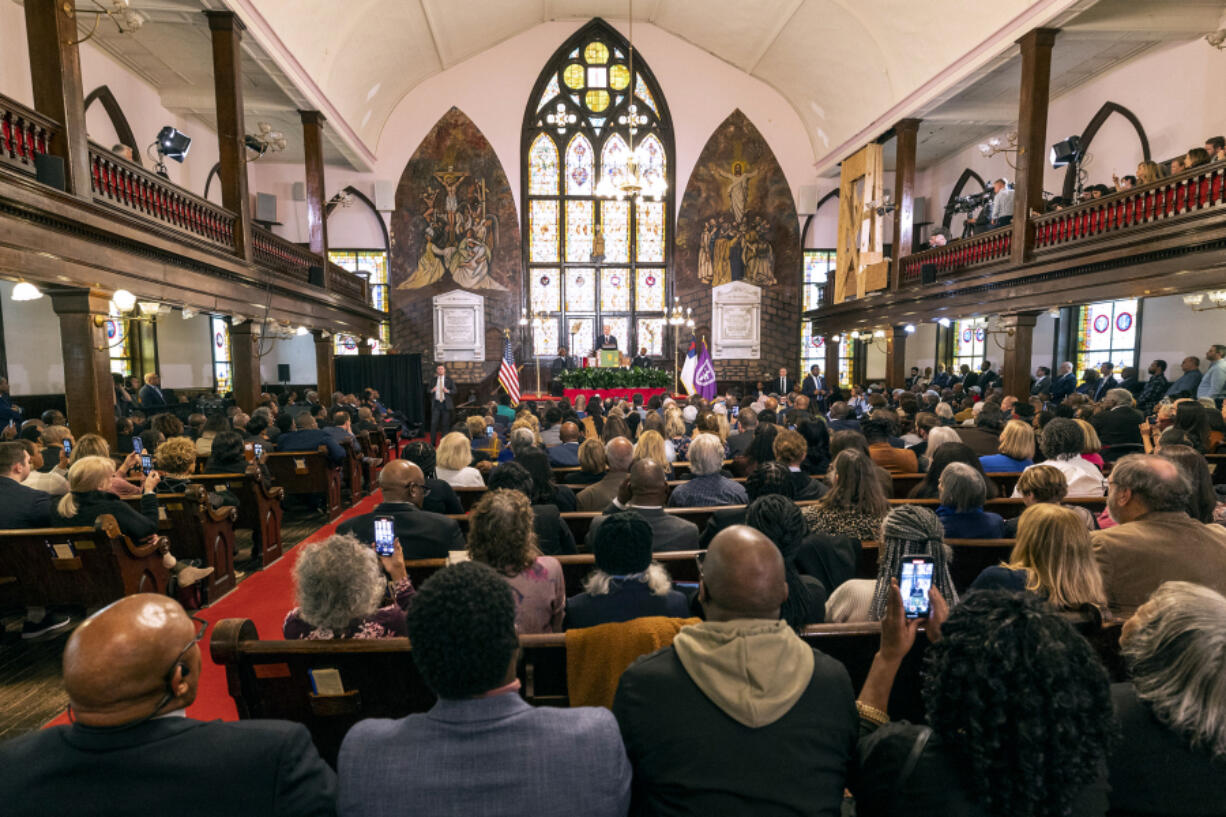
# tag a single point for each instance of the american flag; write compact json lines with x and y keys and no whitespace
{"x":508,"y":375}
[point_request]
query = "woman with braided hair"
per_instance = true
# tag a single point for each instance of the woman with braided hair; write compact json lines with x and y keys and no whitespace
{"x":908,"y":530}
{"x":781,"y":521}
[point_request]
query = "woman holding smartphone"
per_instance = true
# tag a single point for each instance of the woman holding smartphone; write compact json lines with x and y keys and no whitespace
{"x":342,"y":590}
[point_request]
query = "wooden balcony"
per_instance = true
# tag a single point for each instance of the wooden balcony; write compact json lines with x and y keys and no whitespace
{"x":137,"y":230}
{"x":1159,"y":239}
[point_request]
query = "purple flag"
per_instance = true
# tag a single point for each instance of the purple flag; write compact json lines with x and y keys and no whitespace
{"x":704,"y":373}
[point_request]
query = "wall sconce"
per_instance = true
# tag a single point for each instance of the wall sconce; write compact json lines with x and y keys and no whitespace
{"x":996,"y":145}
{"x":120,"y":13}
{"x":124,"y":300}
{"x":25,"y":291}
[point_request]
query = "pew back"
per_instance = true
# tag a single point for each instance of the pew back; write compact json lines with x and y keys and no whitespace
{"x":198,"y":531}
{"x":259,"y":508}
{"x":307,"y":473}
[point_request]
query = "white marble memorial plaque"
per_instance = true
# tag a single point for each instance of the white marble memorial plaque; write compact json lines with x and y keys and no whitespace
{"x":736,"y":322}
{"x":459,"y":326}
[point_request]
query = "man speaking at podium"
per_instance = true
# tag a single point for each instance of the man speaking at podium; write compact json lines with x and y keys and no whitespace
{"x":605,"y":340}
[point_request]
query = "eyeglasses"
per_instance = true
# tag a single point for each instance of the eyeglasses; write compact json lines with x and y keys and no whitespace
{"x":420,"y":486}
{"x":700,"y":557}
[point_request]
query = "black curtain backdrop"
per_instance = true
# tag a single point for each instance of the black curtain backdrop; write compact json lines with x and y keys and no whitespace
{"x":396,"y":377}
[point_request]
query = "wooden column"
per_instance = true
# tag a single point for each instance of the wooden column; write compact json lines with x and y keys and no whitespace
{"x":88,"y":388}
{"x":325,"y":369}
{"x":1016,"y":367}
{"x":896,"y":358}
{"x":313,"y":148}
{"x":245,"y":363}
{"x":831,"y":369}
{"x":1031,"y":137}
{"x":55,"y":68}
{"x":227,"y":32}
{"x":905,"y":134}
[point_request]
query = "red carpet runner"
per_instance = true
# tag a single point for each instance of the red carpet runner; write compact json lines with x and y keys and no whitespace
{"x":264,"y":598}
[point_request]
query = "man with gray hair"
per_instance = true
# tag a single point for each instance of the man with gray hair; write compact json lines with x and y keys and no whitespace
{"x":596,"y":497}
{"x":1154,"y":540}
{"x":708,"y":486}
{"x":1119,"y":427}
{"x":522,"y":439}
{"x":963,"y":492}
{"x":1065,"y":384}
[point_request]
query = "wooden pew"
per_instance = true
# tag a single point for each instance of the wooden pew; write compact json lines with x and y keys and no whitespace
{"x":904,"y":483}
{"x":259,"y":509}
{"x":307,"y":472}
{"x":80,"y":566}
{"x":270,"y":679}
{"x":370,"y":453}
{"x":352,"y":472}
{"x":197,"y":531}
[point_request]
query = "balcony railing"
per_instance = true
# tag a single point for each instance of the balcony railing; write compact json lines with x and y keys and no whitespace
{"x":285,"y":257}
{"x":1198,"y":189}
{"x":122,"y":184}
{"x":976,"y":251}
{"x":24,"y":134}
{"x":346,"y":284}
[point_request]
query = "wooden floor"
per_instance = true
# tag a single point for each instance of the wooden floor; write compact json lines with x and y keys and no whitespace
{"x":30,"y":690}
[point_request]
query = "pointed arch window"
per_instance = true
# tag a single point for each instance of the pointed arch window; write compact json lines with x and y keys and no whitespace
{"x":594,"y":261}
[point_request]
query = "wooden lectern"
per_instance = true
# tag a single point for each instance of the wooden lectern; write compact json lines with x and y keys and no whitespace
{"x":608,"y":358}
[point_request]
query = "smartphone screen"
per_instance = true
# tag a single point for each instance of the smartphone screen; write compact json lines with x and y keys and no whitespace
{"x":736,"y":410}
{"x":67,"y":446}
{"x":489,"y":431}
{"x":146,"y":464}
{"x":259,"y":450}
{"x":914,"y":579}
{"x":384,"y":536}
{"x":137,"y":445}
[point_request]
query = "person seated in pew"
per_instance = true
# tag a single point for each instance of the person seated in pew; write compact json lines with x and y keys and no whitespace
{"x":89,"y":497}
{"x":566,"y":453}
{"x":1045,"y":484}
{"x":501,"y":535}
{"x":422,"y":534}
{"x":1052,"y":558}
{"x":169,"y":425}
{"x":93,"y":445}
{"x":907,"y":530}
{"x":963,"y":492}
{"x":1019,"y":714}
{"x":645,"y":491}
{"x":482,"y":445}
{"x":21,"y":508}
{"x":1091,"y":445}
{"x":51,"y":482}
{"x":130,"y":672}
{"x":305,"y":435}
{"x":778,"y":518}
{"x":52,"y":438}
{"x":855,"y":504}
{"x":619,"y":454}
{"x":366,"y":421}
{"x":1171,"y":755}
{"x":791,"y":449}
{"x":176,"y":463}
{"x":343,"y":589}
{"x":817,"y":448}
{"x":708,"y":484}
{"x":210,"y":427}
{"x":768,"y":478}
{"x":440,"y":497}
{"x":1061,"y":442}
{"x":1203,"y":504}
{"x":626,"y":583}
{"x":876,"y":430}
{"x":544,"y":490}
{"x":738,"y":715}
{"x":454,"y":457}
{"x":593,"y":465}
{"x":256,"y":430}
{"x":1015,"y":453}
{"x":930,"y":486}
{"x":842,"y":440}
{"x":651,"y":446}
{"x":1155,"y":539}
{"x":553,"y":535}
{"x":517,"y":759}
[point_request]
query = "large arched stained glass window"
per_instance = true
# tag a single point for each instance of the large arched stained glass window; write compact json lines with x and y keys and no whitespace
{"x":591,"y":258}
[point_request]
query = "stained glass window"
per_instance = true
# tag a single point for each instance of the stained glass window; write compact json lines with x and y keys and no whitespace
{"x":345,"y":344}
{"x":119,"y":345}
{"x":223,"y":372}
{"x":1107,"y":333}
{"x":590,"y":259}
{"x":847,"y":362}
{"x":372,"y":264}
{"x":970,"y":343}
{"x":812,"y":350}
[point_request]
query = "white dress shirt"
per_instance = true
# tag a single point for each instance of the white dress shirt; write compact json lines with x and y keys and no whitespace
{"x":1083,"y":477}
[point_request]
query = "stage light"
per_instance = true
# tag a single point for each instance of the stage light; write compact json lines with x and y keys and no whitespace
{"x":173,"y":143}
{"x":1067,"y":151}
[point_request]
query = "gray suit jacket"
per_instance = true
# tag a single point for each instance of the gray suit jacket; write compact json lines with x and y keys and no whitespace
{"x":669,"y":532}
{"x":486,"y":756}
{"x":599,"y":494}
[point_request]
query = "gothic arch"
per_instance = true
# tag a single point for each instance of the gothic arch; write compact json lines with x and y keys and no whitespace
{"x":114,"y":112}
{"x":1087,"y":136}
{"x":804,"y":233}
{"x":966,"y":176}
{"x":370,"y":205}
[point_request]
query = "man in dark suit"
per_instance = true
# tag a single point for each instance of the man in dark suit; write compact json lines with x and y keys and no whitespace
{"x":305,"y":435}
{"x":422,"y":535}
{"x":1106,"y":381}
{"x":783,"y":384}
{"x":841,"y":419}
{"x":814,"y":387}
{"x":604,"y":340}
{"x":987,"y":378}
{"x":562,"y":363}
{"x":647,"y":493}
{"x":1042,"y":381}
{"x":8,"y":412}
{"x":442,"y":391}
{"x":125,"y":669}
{"x":739,"y":443}
{"x":1065,"y":384}
{"x":151,"y":396}
{"x":565,"y":454}
{"x":641,"y":360}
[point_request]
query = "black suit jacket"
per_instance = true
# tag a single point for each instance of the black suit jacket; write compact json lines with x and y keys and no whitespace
{"x":641,"y":362}
{"x":604,"y":342}
{"x":553,"y":535}
{"x":423,"y":535}
{"x":258,"y":768}
{"x":782,"y":385}
{"x":449,"y":385}
{"x":1104,"y":385}
{"x":1043,"y":384}
{"x":717,"y":521}
{"x":22,"y":508}
{"x":441,"y":499}
{"x":811,"y":385}
{"x":739,"y":443}
{"x":1065,"y":385}
{"x":151,"y":397}
{"x":559,"y":365}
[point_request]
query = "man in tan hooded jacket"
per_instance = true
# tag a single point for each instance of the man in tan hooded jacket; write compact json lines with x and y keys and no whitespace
{"x":739,"y":715}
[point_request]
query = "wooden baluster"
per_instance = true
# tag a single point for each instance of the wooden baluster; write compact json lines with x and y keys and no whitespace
{"x":1204,"y":192}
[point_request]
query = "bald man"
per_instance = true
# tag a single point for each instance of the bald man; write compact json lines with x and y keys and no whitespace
{"x":646,"y":490}
{"x":423,"y":535}
{"x":130,"y":670}
{"x":739,"y":715}
{"x":566,"y":453}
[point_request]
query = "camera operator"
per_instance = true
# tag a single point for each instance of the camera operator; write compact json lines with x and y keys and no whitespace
{"x":1002,"y":203}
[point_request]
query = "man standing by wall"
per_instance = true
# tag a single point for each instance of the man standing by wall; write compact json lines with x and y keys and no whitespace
{"x":441,"y":403}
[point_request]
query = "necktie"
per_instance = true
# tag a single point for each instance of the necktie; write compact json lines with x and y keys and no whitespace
{"x":438,"y":390}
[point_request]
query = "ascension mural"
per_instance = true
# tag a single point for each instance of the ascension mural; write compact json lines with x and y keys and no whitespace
{"x":455,"y":226}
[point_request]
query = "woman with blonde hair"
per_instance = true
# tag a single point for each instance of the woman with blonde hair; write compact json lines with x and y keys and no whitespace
{"x":94,"y":445}
{"x":674,"y":432}
{"x":1149,"y":172}
{"x":453,"y":462}
{"x":593,"y":463}
{"x":1052,"y":557}
{"x":1016,"y":449}
{"x":650,"y":446}
{"x":501,"y":534}
{"x":1089,"y":451}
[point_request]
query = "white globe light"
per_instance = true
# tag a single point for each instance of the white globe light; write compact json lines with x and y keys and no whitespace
{"x":124,"y":301}
{"x":25,"y":291}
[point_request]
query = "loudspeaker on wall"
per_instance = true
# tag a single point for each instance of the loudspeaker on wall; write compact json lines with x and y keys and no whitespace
{"x":49,"y":170}
{"x":283,"y":372}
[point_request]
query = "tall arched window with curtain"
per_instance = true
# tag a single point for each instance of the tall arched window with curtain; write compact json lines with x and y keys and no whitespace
{"x":591,"y":258}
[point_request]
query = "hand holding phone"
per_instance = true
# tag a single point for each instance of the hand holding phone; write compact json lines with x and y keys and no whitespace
{"x":137,"y":445}
{"x":385,"y":536}
{"x":914,"y":580}
{"x":67,"y":443}
{"x":146,"y":463}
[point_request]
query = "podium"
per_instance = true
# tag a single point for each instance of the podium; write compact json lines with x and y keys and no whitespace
{"x":608,"y":358}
